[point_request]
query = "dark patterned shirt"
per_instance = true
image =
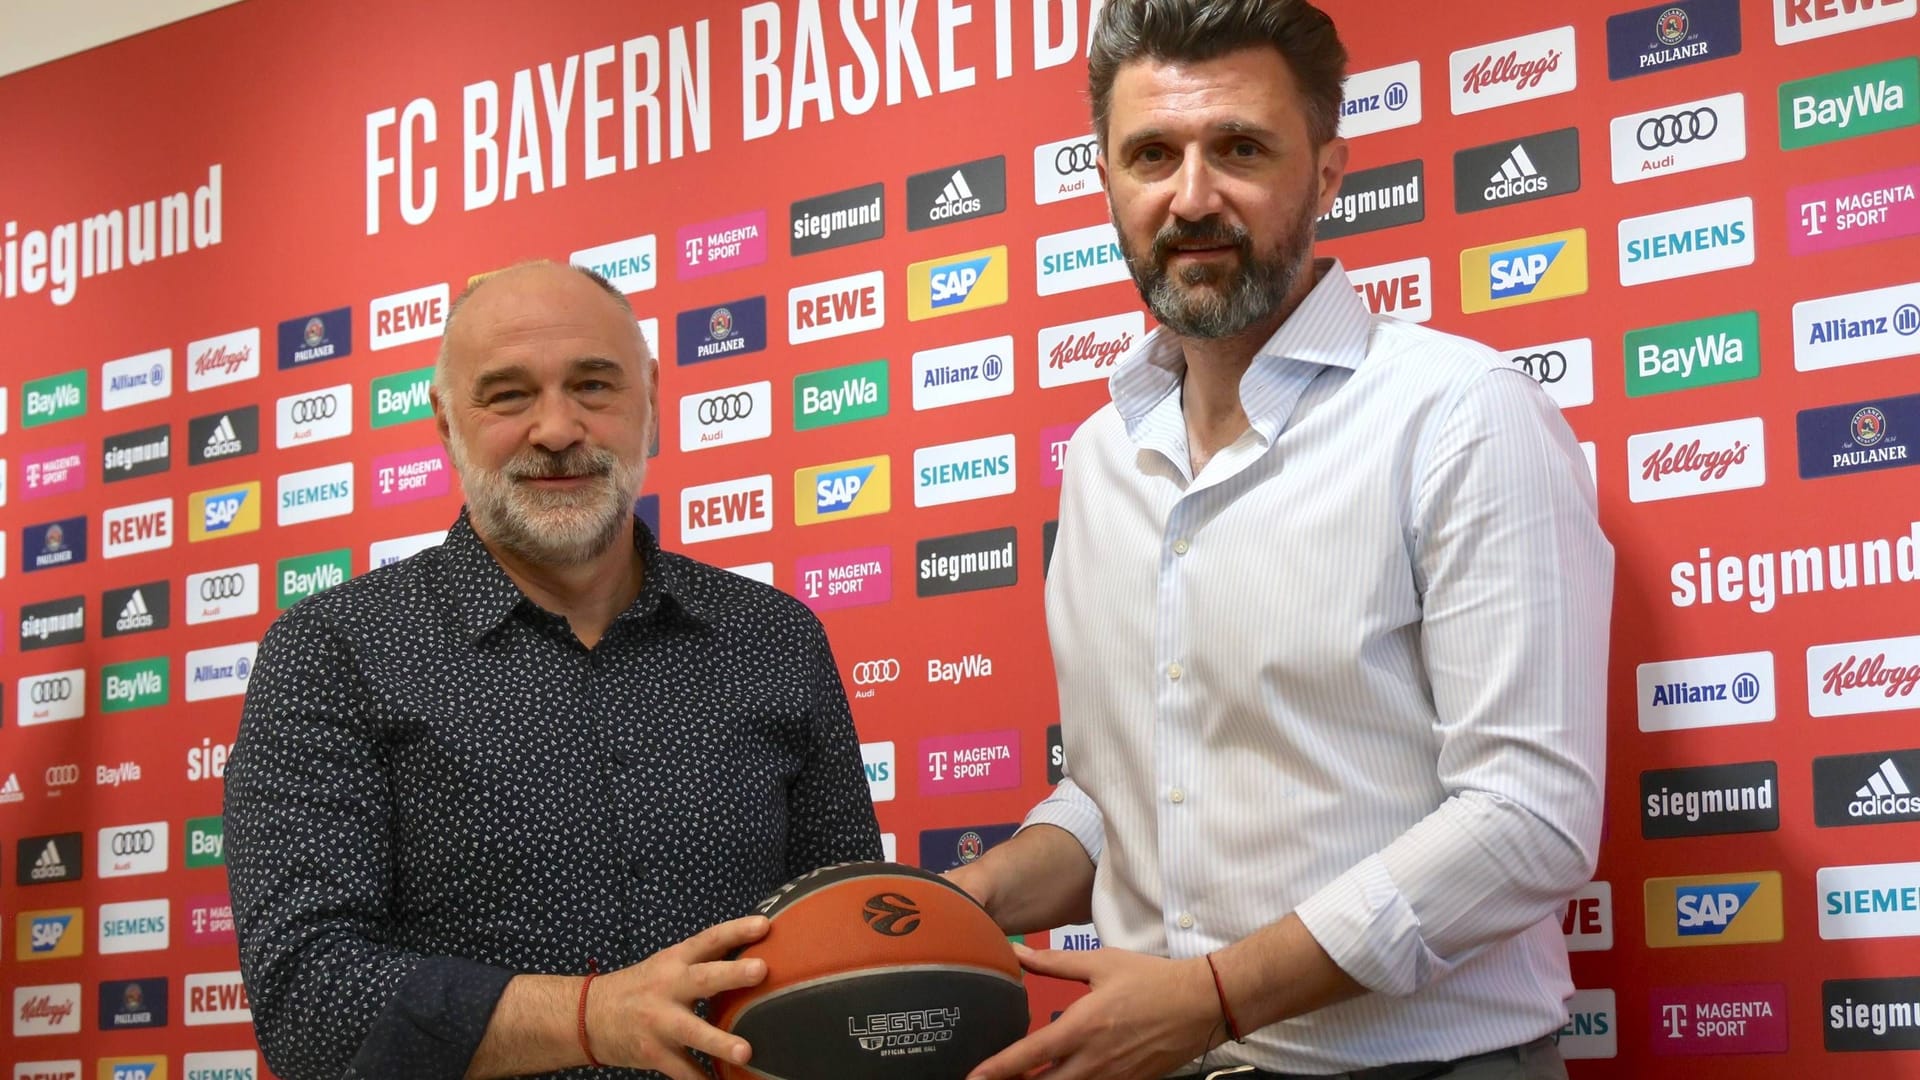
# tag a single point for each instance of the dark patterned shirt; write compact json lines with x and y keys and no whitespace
{"x":436,"y":787}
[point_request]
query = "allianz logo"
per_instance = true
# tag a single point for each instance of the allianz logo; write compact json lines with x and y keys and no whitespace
{"x":1744,"y":688}
{"x":971,"y":666}
{"x":862,"y":391}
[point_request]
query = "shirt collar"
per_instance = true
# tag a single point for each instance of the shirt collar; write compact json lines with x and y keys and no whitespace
{"x":483,"y":595}
{"x":1329,"y":328}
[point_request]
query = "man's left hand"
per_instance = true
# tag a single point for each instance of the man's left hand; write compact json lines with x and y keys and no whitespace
{"x":1143,"y":1017}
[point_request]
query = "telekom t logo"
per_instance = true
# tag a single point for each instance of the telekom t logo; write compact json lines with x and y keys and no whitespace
{"x":937,"y":764}
{"x":814,"y":578}
{"x":1675,"y":1019}
{"x":386,"y":480}
{"x":694,"y":248}
{"x":1813,"y":216}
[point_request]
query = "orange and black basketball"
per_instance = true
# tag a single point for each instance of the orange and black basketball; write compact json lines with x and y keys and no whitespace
{"x":875,"y":971}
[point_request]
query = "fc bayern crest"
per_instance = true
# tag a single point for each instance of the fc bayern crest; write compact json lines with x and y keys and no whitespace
{"x":1869,"y":426}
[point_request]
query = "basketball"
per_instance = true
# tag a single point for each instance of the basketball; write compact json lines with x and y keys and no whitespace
{"x":875,"y":971}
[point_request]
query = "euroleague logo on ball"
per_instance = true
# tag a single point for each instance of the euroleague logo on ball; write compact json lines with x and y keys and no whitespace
{"x":891,"y":914}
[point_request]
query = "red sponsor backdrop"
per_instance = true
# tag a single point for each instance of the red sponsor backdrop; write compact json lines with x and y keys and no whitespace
{"x":346,"y":173}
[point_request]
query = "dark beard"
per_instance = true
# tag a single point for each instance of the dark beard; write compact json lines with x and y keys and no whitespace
{"x":1254,"y":289}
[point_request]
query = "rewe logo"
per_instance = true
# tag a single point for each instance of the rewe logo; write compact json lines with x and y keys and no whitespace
{"x":404,"y":318}
{"x":836,"y":308}
{"x":955,"y":672}
{"x":1853,"y":677}
{"x":840,"y":395}
{"x":1400,"y":289}
{"x":727,"y":508}
{"x":217,"y":997}
{"x":1380,"y":100}
{"x":1517,"y":69}
{"x":218,"y":361}
{"x":1089,"y":350}
{"x":1803,"y":20}
{"x":1587,"y":923}
{"x":1679,"y":138}
{"x":130,"y":530}
{"x":1680,"y":462}
{"x":1849,"y":104}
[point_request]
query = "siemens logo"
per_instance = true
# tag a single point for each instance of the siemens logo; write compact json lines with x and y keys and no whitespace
{"x":958,"y":472}
{"x":1874,"y":901}
{"x":1682,"y":243}
{"x":1080,"y":259}
{"x":628,"y":265}
{"x":315,"y":494}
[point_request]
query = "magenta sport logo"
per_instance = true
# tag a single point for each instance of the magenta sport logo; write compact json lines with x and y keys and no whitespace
{"x":982,"y":761}
{"x":210,"y":920}
{"x":844,"y":579}
{"x":1053,"y":452}
{"x":714,"y":247}
{"x":1744,"y":1018}
{"x":411,"y":474}
{"x":1855,"y":210}
{"x":52,"y":472}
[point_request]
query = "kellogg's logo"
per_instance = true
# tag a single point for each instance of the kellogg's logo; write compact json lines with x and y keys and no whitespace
{"x":1517,"y":69}
{"x":1863,"y":676}
{"x":1700,"y":460}
{"x":1085,"y":351}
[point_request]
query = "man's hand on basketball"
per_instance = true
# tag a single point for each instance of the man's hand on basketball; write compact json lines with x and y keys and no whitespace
{"x":642,"y":1016}
{"x":1143,"y":1017}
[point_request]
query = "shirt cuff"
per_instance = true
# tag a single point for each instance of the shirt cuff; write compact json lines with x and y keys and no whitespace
{"x":1365,"y":924}
{"x":435,"y":1021}
{"x":1069,"y":808}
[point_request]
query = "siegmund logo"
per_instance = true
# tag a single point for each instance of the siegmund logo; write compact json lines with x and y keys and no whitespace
{"x":55,"y":622}
{"x":1866,"y":789}
{"x":136,"y":609}
{"x":844,"y":217}
{"x":1516,"y":170}
{"x":1709,"y":800}
{"x":134,"y":454}
{"x":957,"y":193}
{"x":967,"y":562}
{"x":1871,"y":1014}
{"x":1374,"y":199}
{"x":222,"y":435}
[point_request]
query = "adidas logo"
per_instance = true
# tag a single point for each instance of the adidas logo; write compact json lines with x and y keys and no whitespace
{"x":1516,"y":177}
{"x":10,"y":791}
{"x":135,"y":615}
{"x":48,"y":866}
{"x":1884,"y":794}
{"x":224,"y":442}
{"x":956,"y":199}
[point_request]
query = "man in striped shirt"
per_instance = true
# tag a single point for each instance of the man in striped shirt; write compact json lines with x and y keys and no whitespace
{"x":1328,"y":608}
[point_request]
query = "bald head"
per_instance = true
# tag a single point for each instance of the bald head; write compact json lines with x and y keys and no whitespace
{"x":533,"y":283}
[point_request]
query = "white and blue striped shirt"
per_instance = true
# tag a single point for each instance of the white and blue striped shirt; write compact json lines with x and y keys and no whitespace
{"x":1355,"y":670}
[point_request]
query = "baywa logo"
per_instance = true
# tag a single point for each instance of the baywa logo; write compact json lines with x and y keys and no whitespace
{"x":54,"y":398}
{"x":837,"y":220}
{"x":1700,"y":352}
{"x":136,"y":609}
{"x":222,"y":435}
{"x":401,"y":398}
{"x":957,"y":193}
{"x":1516,"y":170}
{"x":840,"y":395}
{"x":1866,"y":789}
{"x":1871,"y":1014}
{"x":44,"y":860}
{"x":1709,"y":800}
{"x":1849,"y":104}
{"x":138,"y":684}
{"x":308,"y":575}
{"x":206,"y":842}
{"x":135,"y":454}
{"x":1375,"y":199}
{"x":1524,"y":271}
{"x":968,"y":562}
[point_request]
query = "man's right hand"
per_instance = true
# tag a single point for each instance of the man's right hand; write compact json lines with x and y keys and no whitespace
{"x":642,"y":1016}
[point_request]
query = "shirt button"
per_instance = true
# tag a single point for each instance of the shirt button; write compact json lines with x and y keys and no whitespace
{"x":1180,"y":547}
{"x":1186,"y":922}
{"x":1174,"y":671}
{"x":1177,"y":795}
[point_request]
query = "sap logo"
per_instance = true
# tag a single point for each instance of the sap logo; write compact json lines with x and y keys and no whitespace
{"x":835,"y":491}
{"x":221,"y":510}
{"x":953,"y":283}
{"x":1515,"y":273}
{"x":1710,"y":909}
{"x":138,"y":1070}
{"x":971,"y":666}
{"x":47,"y":932}
{"x":208,"y":761}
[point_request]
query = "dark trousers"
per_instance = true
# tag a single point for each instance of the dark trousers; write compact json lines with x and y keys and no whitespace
{"x":1537,"y":1060}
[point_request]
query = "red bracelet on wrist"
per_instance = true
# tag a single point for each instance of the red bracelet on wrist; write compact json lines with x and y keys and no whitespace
{"x":586,"y":1048}
{"x":1226,"y":1012}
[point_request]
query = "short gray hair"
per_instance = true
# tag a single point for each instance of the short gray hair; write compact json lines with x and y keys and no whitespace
{"x":459,"y":302}
{"x":1198,"y":30}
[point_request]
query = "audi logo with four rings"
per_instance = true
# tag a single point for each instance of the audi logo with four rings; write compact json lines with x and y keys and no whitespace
{"x":1677,"y":129}
{"x":868,"y":672}
{"x":62,"y":775}
{"x":723,"y":407}
{"x":133,"y":842}
{"x":1077,"y":158}
{"x":222,"y":586}
{"x":48,"y":691}
{"x":1545,"y":367}
{"x":306,"y":410}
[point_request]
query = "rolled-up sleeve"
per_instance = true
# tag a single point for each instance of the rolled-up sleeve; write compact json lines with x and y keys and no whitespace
{"x":307,"y":815}
{"x":1517,"y":581}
